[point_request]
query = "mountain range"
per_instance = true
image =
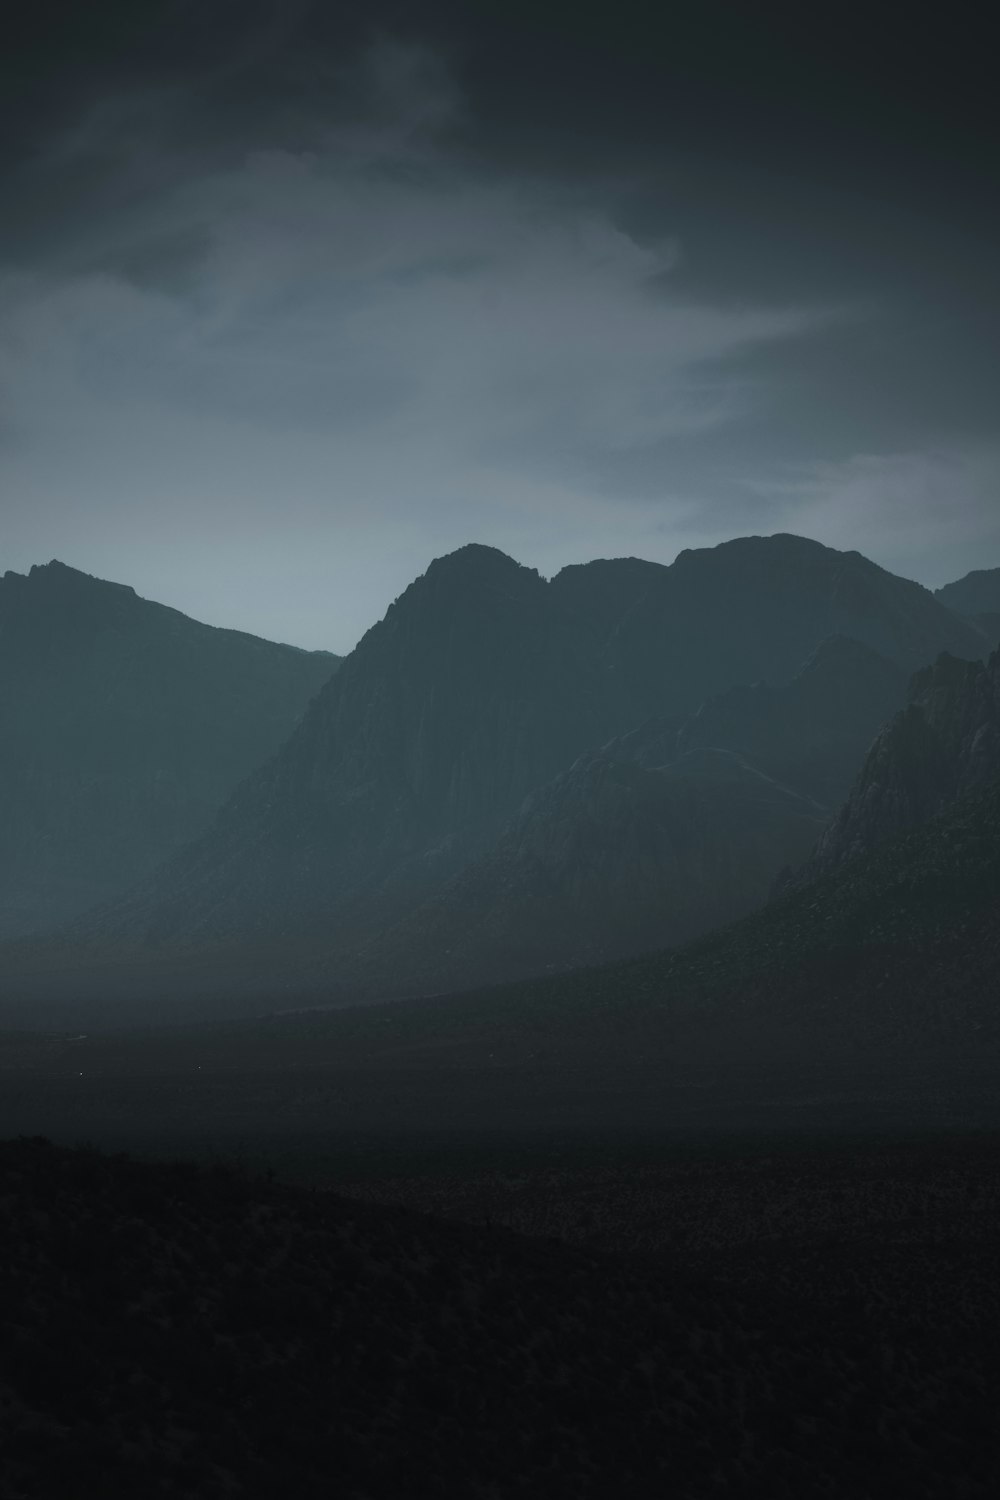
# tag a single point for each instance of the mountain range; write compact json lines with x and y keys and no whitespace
{"x":509,"y":775}
{"x":884,"y":961}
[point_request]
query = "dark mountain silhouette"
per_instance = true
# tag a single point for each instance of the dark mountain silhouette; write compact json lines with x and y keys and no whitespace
{"x":754,"y":609}
{"x":125,"y":726}
{"x":474,"y":689}
{"x":978,"y":593}
{"x":482,"y":684}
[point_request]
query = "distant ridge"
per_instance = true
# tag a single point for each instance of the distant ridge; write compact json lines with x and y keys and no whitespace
{"x":978,"y":593}
{"x":125,"y":725}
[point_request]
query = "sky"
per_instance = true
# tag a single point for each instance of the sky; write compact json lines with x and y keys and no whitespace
{"x":295,"y":297}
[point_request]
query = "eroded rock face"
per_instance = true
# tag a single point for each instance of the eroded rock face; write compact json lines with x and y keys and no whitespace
{"x":124,"y":726}
{"x":944,"y":744}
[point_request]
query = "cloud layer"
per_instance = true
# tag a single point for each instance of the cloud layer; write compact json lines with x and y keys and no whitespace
{"x":268,"y":388}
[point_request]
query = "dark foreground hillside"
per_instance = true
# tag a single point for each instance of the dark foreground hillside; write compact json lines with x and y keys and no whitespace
{"x":184,"y":1331}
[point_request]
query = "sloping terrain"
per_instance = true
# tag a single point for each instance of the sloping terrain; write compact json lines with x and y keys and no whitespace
{"x":811,"y":733}
{"x":124,"y":726}
{"x":176,"y":1330}
{"x":978,"y":593}
{"x":658,"y":837}
{"x":607,"y":860}
{"x":945,"y":743}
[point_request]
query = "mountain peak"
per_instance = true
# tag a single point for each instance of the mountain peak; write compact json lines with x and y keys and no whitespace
{"x":59,"y":575}
{"x":780,"y":544}
{"x":473,"y":572}
{"x":476,"y":558}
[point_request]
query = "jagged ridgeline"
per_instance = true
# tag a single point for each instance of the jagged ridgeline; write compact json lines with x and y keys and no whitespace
{"x":124,"y":726}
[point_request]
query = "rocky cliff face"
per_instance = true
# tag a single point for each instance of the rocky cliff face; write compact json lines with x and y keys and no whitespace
{"x":124,"y":726}
{"x":943,"y":745}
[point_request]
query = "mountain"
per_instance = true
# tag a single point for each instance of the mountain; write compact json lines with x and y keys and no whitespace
{"x":990,"y":625}
{"x":483,"y":683}
{"x":945,"y":743}
{"x":608,"y":859}
{"x":812,"y":732}
{"x":124,"y":726}
{"x":888,"y":961}
{"x":474,"y":689}
{"x":887,"y":956}
{"x":976,"y":596}
{"x":754,"y":608}
{"x":660,"y":835}
{"x":978,"y":593}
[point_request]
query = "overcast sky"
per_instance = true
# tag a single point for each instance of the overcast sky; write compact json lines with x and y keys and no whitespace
{"x":293,"y":300}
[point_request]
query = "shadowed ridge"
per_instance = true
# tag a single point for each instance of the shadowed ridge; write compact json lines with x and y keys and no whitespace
{"x":978,"y":593}
{"x":127,"y":725}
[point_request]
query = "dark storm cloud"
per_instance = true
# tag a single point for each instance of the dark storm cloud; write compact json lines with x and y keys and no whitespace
{"x":291,"y":304}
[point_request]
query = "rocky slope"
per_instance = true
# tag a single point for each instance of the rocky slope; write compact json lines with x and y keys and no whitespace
{"x":124,"y":726}
{"x":944,"y":744}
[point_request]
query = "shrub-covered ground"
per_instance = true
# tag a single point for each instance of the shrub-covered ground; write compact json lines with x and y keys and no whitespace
{"x":185,"y":1330}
